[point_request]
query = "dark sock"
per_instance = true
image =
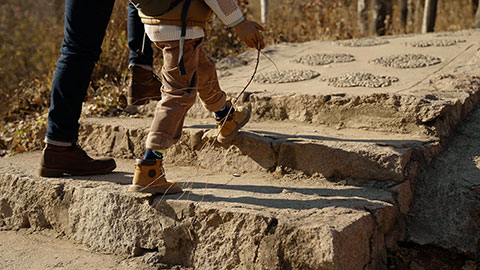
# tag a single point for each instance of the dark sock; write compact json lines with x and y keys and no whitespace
{"x":152,"y":154}
{"x":223,"y":112}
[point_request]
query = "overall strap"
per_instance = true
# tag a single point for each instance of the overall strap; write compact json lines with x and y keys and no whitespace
{"x":181,"y":64}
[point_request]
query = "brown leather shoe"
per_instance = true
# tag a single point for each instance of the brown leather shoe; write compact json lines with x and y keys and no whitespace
{"x":59,"y":160}
{"x":144,"y":86}
{"x":149,"y":177}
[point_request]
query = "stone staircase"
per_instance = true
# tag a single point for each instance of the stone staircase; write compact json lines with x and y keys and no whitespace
{"x":321,"y":178}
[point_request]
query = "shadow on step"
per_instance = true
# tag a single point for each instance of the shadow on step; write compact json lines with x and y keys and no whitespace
{"x":284,"y":198}
{"x":292,"y":137}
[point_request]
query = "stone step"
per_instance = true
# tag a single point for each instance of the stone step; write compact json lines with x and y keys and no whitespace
{"x":321,"y":178}
{"x":445,"y":211}
{"x":435,"y":109}
{"x":271,"y":146}
{"x":425,"y":99}
{"x":252,"y":221}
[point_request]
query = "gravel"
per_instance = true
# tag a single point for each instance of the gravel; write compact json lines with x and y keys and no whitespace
{"x":286,"y":76}
{"x":457,"y":33}
{"x":434,"y":42}
{"x":321,"y":59}
{"x":407,"y":61}
{"x":362,"y":79}
{"x":230,"y":62}
{"x":364,"y":42}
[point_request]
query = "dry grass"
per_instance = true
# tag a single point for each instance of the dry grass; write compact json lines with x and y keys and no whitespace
{"x":31,"y":32}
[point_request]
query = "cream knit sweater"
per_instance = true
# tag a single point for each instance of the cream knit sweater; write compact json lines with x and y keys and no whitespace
{"x":226,"y":10}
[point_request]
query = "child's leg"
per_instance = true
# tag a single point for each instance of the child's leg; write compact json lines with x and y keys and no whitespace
{"x":214,"y":100}
{"x":212,"y":97}
{"x":178,"y":93}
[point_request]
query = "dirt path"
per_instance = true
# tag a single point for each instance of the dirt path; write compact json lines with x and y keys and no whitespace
{"x":43,"y":251}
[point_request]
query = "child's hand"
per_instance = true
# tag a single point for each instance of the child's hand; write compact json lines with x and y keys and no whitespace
{"x":248,"y":32}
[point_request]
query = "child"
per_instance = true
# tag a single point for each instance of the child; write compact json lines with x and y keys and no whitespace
{"x":187,"y":70}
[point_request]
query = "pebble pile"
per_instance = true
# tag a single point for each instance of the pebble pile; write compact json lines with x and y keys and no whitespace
{"x":285,"y":76}
{"x":230,"y":62}
{"x":320,"y":59}
{"x":364,"y":42}
{"x":434,"y":42}
{"x":362,"y":79}
{"x":407,"y":61}
{"x":456,"y":34}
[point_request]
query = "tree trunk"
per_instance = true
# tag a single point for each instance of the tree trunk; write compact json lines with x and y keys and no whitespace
{"x":474,"y":6}
{"x":264,"y":10}
{"x":362,"y":11}
{"x":429,"y":16}
{"x":417,"y":26}
{"x":404,"y":13}
{"x":477,"y":17}
{"x":411,"y":16}
{"x":381,"y":10}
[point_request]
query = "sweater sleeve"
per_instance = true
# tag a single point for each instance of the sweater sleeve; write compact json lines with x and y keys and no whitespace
{"x":227,"y":11}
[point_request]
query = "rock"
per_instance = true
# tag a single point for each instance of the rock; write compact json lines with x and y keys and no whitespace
{"x":445,"y":206}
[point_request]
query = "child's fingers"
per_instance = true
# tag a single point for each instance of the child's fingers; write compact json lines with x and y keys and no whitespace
{"x":259,"y":44}
{"x":259,"y":27}
{"x":250,"y":43}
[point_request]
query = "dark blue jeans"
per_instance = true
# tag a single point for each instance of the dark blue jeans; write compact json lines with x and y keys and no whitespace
{"x":85,"y":25}
{"x":136,"y":38}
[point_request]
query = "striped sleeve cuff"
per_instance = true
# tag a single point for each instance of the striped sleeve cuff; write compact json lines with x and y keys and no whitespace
{"x":226,"y":10}
{"x":236,"y":22}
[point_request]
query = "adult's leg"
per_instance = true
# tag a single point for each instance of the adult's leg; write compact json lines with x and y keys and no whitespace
{"x":144,"y":85}
{"x":141,"y":52}
{"x":85,"y":25}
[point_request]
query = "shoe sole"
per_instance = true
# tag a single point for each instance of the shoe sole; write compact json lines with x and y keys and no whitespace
{"x":229,"y":138}
{"x":46,"y":172}
{"x":153,"y":190}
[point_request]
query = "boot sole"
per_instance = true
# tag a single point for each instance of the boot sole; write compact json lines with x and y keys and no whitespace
{"x":229,"y":138}
{"x":153,"y":190}
{"x":46,"y":172}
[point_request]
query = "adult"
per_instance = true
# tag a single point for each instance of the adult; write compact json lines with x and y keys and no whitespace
{"x":145,"y":85}
{"x":85,"y":25}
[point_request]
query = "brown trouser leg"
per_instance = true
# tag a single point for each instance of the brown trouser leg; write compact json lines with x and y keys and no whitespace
{"x":179,"y":91}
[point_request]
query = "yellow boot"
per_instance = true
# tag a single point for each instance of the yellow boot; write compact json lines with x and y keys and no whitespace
{"x":150,"y":178}
{"x":229,"y":125}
